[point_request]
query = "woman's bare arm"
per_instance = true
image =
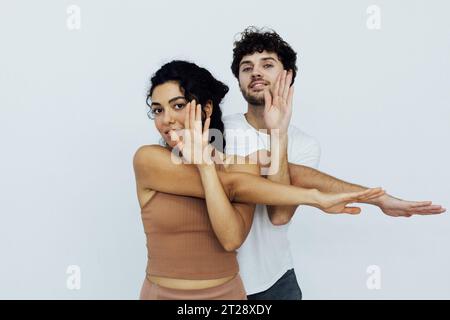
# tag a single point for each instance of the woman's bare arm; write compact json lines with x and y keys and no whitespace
{"x":155,"y":170}
{"x":231,"y":221}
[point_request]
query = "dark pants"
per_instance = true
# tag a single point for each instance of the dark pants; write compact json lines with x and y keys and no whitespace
{"x":286,"y":288}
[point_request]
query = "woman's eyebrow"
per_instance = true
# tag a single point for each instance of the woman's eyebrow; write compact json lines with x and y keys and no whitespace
{"x":170,"y":101}
{"x":176,"y":98}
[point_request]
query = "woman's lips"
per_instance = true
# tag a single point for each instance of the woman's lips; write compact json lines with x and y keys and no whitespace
{"x":173,"y":134}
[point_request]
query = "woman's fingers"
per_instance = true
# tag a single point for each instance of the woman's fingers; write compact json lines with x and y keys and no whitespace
{"x":206,"y":130}
{"x":197,"y":113}
{"x":375,"y":195}
{"x":192,"y":115}
{"x":351,"y":210}
{"x":372,"y":193}
{"x":187,"y":116}
{"x":365,"y":195}
{"x":198,"y":118}
{"x":175,"y":137}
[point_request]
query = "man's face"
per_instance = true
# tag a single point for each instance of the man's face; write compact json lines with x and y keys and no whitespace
{"x":257,"y":72}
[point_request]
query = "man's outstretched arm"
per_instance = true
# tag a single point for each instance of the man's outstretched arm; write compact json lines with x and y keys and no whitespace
{"x":277,"y":114}
{"x":307,"y":177}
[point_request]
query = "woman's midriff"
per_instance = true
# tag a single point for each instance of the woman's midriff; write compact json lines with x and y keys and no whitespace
{"x":185,"y":284}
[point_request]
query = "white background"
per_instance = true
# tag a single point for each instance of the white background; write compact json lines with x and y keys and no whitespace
{"x":73,"y":114}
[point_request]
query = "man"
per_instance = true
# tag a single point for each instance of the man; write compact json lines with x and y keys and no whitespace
{"x":265,"y":66}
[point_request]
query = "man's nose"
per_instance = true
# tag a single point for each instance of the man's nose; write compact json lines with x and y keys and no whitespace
{"x":256,"y":73}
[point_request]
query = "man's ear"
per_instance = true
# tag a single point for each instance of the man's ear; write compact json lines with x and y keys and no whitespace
{"x":208,"y":108}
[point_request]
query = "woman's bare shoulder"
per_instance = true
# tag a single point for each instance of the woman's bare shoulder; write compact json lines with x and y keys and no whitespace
{"x":150,"y":148}
{"x":147,"y":152}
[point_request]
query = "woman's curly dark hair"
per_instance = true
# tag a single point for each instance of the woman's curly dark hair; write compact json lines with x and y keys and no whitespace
{"x":254,"y":40}
{"x":195,"y":83}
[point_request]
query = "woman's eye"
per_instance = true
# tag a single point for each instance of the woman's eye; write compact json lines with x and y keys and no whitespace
{"x":179,"y":106}
{"x":156,"y":110}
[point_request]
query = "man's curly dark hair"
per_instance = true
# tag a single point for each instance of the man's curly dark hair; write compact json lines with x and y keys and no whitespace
{"x":255,"y":39}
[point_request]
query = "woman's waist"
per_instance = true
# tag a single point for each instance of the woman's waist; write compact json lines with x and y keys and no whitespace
{"x":188,"y":284}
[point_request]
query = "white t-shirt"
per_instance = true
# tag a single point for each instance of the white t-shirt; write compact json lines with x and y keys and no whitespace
{"x":265,"y":255}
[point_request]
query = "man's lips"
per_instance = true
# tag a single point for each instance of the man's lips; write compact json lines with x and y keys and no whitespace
{"x":258,"y":84}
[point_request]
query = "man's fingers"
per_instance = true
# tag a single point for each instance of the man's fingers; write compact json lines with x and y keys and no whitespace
{"x":287,"y":85}
{"x":290,"y":96}
{"x":432,"y":207}
{"x":421,"y":204}
{"x":425,"y":208}
{"x":429,"y":211}
{"x":267,"y":99}
{"x":280,"y":91}
{"x":277,"y":85}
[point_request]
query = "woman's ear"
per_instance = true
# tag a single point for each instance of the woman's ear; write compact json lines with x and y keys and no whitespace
{"x":208,"y":108}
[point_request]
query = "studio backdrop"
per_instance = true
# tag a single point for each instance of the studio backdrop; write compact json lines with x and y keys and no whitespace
{"x":372,"y":88}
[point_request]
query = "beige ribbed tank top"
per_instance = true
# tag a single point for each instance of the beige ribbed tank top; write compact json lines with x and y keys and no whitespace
{"x":181,"y":242}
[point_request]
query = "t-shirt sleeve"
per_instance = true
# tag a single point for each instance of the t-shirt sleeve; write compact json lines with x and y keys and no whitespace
{"x":241,"y":139}
{"x":305,"y":150}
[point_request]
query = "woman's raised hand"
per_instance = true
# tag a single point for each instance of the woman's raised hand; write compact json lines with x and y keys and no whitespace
{"x":192,"y":141}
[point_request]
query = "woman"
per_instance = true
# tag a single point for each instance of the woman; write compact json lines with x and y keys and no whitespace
{"x":197,"y":213}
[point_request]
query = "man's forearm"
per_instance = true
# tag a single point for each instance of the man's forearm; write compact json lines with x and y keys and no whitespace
{"x":306,"y":177}
{"x":280,"y":173}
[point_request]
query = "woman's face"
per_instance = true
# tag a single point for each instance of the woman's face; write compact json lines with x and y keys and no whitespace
{"x":168,"y":109}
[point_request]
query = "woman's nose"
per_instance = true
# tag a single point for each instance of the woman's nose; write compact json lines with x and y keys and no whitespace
{"x":168,"y":117}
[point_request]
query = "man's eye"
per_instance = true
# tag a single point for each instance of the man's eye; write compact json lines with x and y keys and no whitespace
{"x":246,"y":69}
{"x":268,"y":66}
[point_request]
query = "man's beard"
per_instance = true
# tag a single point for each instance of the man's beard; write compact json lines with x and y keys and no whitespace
{"x":253,"y":99}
